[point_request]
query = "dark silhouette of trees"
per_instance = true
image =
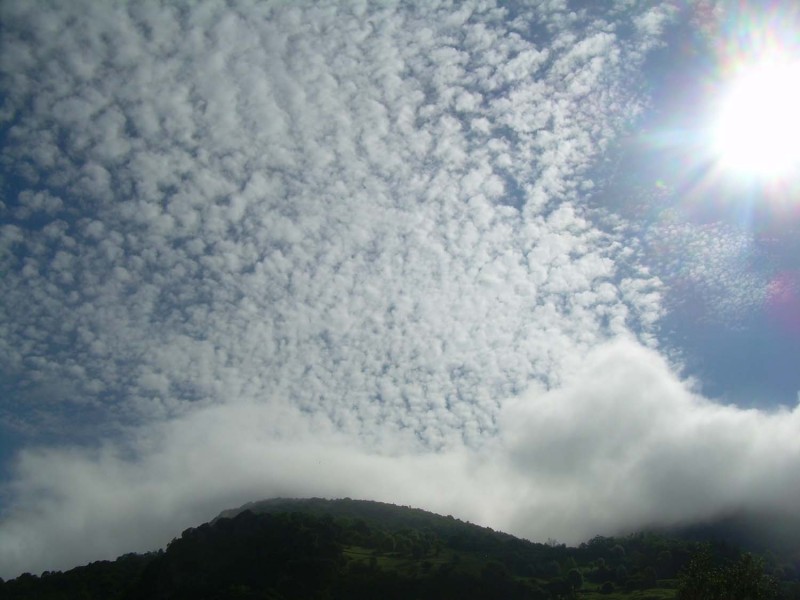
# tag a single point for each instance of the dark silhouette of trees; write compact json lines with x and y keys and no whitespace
{"x":575,"y":579}
{"x":740,"y":579}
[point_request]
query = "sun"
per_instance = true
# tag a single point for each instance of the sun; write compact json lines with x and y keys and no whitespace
{"x":756,"y":133}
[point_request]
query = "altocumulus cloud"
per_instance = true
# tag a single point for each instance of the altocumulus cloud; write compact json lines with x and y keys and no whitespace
{"x":336,"y":250}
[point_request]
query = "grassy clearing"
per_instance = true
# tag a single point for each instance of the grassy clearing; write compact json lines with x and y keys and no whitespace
{"x":591,"y":590}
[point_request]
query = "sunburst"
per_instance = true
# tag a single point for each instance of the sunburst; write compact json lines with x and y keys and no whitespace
{"x":757,"y":129}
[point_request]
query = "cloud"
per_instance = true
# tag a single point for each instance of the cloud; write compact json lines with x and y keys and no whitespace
{"x":710,"y":269}
{"x":623,"y":444}
{"x":352,"y":212}
{"x":635,"y":445}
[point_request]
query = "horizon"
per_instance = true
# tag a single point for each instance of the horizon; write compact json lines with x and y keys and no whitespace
{"x":535,"y":265}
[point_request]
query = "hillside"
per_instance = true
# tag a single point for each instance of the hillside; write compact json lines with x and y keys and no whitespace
{"x":330,"y":549}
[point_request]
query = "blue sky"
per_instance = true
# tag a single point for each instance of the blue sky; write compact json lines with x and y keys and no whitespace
{"x":483,"y":258}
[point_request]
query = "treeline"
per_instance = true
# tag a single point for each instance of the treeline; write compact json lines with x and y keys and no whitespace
{"x":320,"y":549}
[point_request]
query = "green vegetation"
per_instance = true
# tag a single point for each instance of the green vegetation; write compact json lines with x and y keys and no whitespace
{"x":321,"y":549}
{"x":704,"y":579}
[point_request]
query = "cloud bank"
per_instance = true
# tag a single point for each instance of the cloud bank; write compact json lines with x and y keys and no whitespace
{"x":624,"y":444}
{"x":259,"y":250}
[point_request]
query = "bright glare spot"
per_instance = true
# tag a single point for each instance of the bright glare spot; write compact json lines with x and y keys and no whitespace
{"x":757,"y":133}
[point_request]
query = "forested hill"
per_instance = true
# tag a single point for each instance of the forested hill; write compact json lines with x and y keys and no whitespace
{"x":331,"y":549}
{"x":378,"y":514}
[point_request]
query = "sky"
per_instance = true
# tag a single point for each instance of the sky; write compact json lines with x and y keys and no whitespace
{"x":484,"y":258}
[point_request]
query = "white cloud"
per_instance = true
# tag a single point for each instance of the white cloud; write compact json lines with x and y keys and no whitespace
{"x":292,"y":202}
{"x":634,"y":444}
{"x":623,"y":444}
{"x":711,"y":265}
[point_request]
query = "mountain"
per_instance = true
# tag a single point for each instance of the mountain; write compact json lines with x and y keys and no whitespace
{"x":283,"y":549}
{"x":773,"y":532}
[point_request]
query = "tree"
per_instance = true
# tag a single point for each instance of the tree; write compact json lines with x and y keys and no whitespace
{"x":568,"y":563}
{"x":743,"y":579}
{"x":575,"y":579}
{"x":746,"y":579}
{"x":649,"y":577}
{"x":621,"y":574}
{"x":617,"y":552}
{"x":664,"y":561}
{"x":552,"y":569}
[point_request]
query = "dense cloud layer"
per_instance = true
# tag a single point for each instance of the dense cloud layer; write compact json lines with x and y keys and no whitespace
{"x":624,"y":444}
{"x":330,"y":251}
